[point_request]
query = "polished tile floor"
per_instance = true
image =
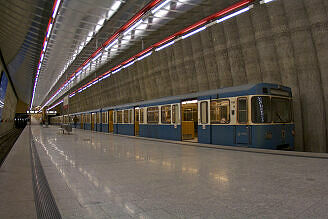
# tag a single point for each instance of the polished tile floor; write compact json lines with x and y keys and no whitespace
{"x":98,"y":175}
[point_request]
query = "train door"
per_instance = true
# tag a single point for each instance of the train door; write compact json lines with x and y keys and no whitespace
{"x":136,"y":121}
{"x":98,"y":126}
{"x":242,"y":129}
{"x":93,"y":121}
{"x":81,"y":121}
{"x":189,"y":120}
{"x":204,"y":127}
{"x":111,"y":120}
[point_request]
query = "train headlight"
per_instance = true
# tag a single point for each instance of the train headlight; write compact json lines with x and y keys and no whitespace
{"x":268,"y":135}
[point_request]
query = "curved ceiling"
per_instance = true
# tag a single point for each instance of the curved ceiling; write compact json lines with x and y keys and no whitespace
{"x":81,"y":27}
{"x":22,"y":29}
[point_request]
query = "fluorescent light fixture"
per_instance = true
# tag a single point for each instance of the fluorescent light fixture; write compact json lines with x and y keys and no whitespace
{"x":111,"y":44}
{"x":189,"y":101}
{"x":144,"y":56}
{"x":265,"y":1}
{"x":86,"y":66}
{"x":97,"y":56}
{"x":193,"y":32}
{"x":131,"y":63}
{"x":56,"y":9}
{"x":72,"y":79}
{"x":106,"y":76}
{"x":78,"y":73}
{"x":159,"y":14}
{"x":45,"y":46}
{"x":116,"y":5}
{"x":160,"y":6}
{"x":132,"y":27}
{"x":233,"y":14}
{"x":117,"y":70}
{"x":164,"y":46}
{"x":49,"y":30}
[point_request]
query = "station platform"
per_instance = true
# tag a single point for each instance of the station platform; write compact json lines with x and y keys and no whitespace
{"x":99,"y":175}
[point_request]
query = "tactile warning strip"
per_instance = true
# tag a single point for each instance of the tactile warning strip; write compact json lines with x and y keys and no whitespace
{"x":44,"y":201}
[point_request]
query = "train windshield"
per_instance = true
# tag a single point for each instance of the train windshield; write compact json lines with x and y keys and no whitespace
{"x":268,"y":110}
{"x":261,"y":109}
{"x":281,"y":110}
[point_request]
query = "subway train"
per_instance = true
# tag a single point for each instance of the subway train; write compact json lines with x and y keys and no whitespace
{"x":253,"y":115}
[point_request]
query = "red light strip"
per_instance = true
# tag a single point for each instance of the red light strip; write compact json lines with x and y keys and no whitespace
{"x":173,"y":36}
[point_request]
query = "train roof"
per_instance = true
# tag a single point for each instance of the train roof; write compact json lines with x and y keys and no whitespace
{"x":242,"y":90}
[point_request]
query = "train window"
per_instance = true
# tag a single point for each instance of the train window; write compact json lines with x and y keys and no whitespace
{"x":98,"y":117}
{"x":242,"y":110}
{"x":119,"y":116}
{"x":104,"y":117}
{"x":281,"y":110}
{"x":152,"y":114}
{"x":220,"y":111}
{"x":261,"y":112}
{"x":126,"y":116}
{"x":175,"y":113}
{"x":166,"y":114}
{"x":114,"y":117}
{"x":204,"y":112}
{"x":130,"y":116}
{"x":142,"y":115}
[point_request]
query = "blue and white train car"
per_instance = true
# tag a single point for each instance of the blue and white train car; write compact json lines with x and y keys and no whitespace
{"x":124,"y":121}
{"x":258,"y":116}
{"x":255,"y":115}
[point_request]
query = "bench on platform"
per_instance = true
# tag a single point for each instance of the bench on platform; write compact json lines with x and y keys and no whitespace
{"x":65,"y":128}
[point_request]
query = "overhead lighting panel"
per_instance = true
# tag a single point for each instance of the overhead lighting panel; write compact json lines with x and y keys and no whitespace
{"x":193,"y":32}
{"x":164,"y":46}
{"x":111,"y":44}
{"x":144,"y":56}
{"x":160,"y":6}
{"x":97,"y":56}
{"x":233,"y":14}
{"x":133,"y":27}
{"x":265,"y":1}
{"x":127,"y":65}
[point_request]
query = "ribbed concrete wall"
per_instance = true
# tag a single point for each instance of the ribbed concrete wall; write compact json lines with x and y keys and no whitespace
{"x":284,"y":42}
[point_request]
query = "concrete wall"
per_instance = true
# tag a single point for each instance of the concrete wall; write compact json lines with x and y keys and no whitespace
{"x":9,"y":110}
{"x":284,"y":42}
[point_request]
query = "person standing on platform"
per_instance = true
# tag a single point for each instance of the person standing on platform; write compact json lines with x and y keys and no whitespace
{"x":75,"y":120}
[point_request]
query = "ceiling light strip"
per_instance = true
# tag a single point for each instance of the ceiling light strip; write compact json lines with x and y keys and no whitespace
{"x":116,"y":34}
{"x":166,"y":45}
{"x":158,"y":46}
{"x":44,"y":47}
